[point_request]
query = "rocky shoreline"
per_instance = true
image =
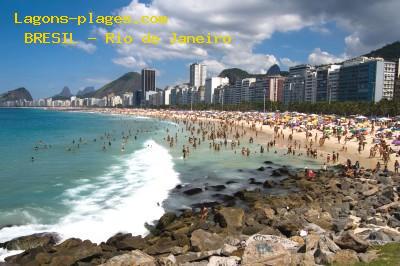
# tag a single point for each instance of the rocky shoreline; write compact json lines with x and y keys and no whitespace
{"x":332,"y":219}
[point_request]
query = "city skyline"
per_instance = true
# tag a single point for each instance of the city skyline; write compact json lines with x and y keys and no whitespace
{"x":279,"y":35}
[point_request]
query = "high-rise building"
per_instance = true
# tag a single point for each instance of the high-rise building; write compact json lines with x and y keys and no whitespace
{"x":148,"y":82}
{"x":211,"y":84}
{"x":300,"y":84}
{"x":389,"y":72}
{"x":270,"y":87}
{"x":327,"y":82}
{"x":361,"y":79}
{"x":198,"y":73}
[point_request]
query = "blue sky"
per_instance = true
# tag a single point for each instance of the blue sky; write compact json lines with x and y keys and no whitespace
{"x":263,"y":33}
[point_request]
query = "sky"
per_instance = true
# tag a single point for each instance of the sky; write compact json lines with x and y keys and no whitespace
{"x":263,"y":32}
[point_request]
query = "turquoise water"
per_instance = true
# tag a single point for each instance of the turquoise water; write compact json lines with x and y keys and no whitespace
{"x":96,"y":190}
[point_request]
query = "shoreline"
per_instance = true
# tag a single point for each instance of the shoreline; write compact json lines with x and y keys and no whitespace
{"x":309,"y":205}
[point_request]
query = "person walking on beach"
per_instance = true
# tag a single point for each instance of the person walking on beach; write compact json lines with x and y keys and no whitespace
{"x":396,"y":166}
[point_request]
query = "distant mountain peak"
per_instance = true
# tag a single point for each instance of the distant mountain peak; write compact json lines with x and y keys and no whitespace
{"x":16,"y":95}
{"x":65,"y":94}
{"x":86,"y":90}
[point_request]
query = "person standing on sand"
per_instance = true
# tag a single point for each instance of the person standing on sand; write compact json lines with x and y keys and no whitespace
{"x":396,"y":166}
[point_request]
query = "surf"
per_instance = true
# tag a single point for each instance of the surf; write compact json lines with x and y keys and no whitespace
{"x":126,"y":197}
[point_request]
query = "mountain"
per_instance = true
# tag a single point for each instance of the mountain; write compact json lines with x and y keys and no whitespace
{"x":65,"y":94}
{"x":390,"y":52}
{"x":235,"y":74}
{"x":274,"y":70}
{"x":85,"y":91}
{"x":16,"y":95}
{"x":128,"y":82}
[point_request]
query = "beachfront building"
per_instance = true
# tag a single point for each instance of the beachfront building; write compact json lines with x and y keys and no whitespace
{"x":148,"y":82}
{"x":198,"y":73}
{"x":294,"y":90}
{"x":127,"y":99}
{"x":211,"y":84}
{"x":327,"y":80}
{"x":361,"y":79}
{"x":389,"y":76}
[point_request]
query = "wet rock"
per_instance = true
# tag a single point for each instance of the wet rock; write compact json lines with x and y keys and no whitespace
{"x":217,"y":187}
{"x":204,"y":241}
{"x":350,"y":241}
{"x":207,"y":204}
{"x":230,"y":182}
{"x":229,"y":217}
{"x":262,"y":168}
{"x":165,"y":220}
{"x":248,"y":196}
{"x":126,"y":242}
{"x":193,"y":191}
{"x":31,"y":241}
{"x":179,"y":186}
{"x":276,"y":173}
{"x":268,"y":162}
{"x":134,"y":258}
{"x":252,"y":181}
{"x":268,"y":184}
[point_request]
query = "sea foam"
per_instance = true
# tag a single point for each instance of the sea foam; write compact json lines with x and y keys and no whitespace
{"x":122,"y":200}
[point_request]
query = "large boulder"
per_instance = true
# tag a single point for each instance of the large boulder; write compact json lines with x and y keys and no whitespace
{"x":202,"y":240}
{"x":345,"y":257}
{"x":323,"y":219}
{"x":31,"y":241}
{"x":134,"y":258}
{"x":226,"y":261}
{"x":268,"y":250}
{"x":230,"y":217}
{"x":126,"y":242}
{"x":350,"y":241}
{"x":165,"y":220}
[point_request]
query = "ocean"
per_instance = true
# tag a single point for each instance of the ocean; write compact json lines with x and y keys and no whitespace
{"x":91,"y":175}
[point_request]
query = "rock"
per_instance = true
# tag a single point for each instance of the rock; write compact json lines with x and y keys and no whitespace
{"x":262,"y":168}
{"x":179,"y":186}
{"x":193,"y":191}
{"x":268,"y":184}
{"x":268,"y":250}
{"x":345,"y":257}
{"x":72,"y":251}
{"x":323,"y":219}
{"x":252,"y":181}
{"x":371,"y":191}
{"x":368,"y":256}
{"x":227,"y":250}
{"x":195,"y":256}
{"x":31,"y":241}
{"x":298,"y":239}
{"x":268,"y":162}
{"x":165,"y":220}
{"x":169,"y":260}
{"x":165,"y":245}
{"x":217,"y":187}
{"x":229,"y":217}
{"x":252,"y":229}
{"x":276,"y":173}
{"x":248,"y":196}
{"x":230,"y":182}
{"x":126,"y":242}
{"x":302,"y":259}
{"x":134,"y":258}
{"x":225,"y":261}
{"x":350,"y":241}
{"x":203,"y":241}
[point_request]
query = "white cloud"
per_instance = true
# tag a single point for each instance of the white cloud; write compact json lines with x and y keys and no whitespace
{"x":129,"y":62}
{"x":287,"y":62}
{"x":319,"y":57}
{"x":250,"y":23}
